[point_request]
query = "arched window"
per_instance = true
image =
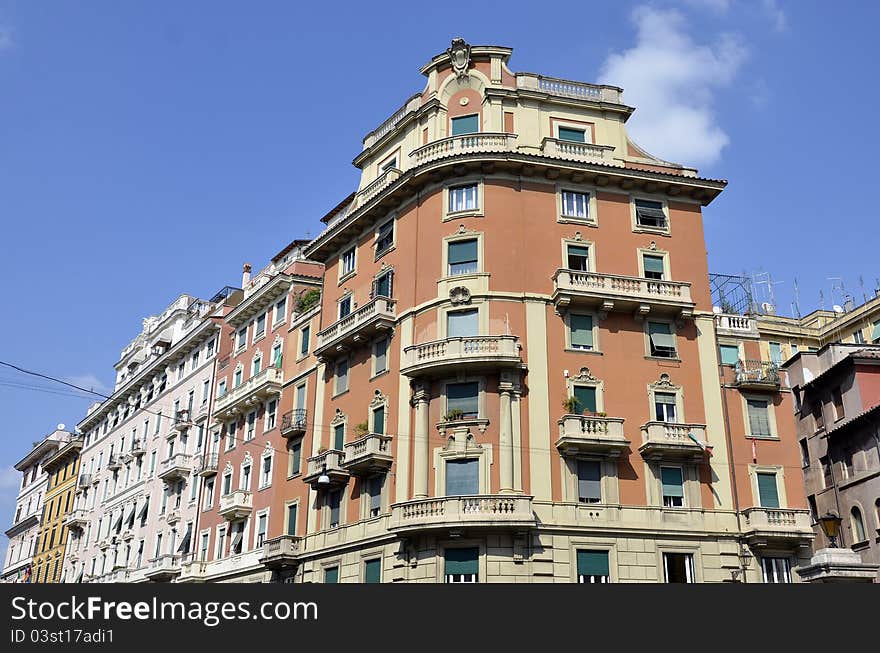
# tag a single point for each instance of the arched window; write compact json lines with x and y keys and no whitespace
{"x":858,"y":526}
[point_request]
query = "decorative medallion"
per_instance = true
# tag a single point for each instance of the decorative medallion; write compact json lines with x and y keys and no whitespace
{"x":460,"y":56}
{"x":460,"y":295}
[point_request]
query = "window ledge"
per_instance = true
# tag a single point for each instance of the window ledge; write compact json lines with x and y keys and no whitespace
{"x":586,"y":222}
{"x":294,"y":475}
{"x":345,"y":277}
{"x":861,"y":546}
{"x":639,"y":229}
{"x":471,"y":213}
{"x":595,"y":352}
{"x":339,"y":394}
{"x":378,"y":374}
{"x":769,"y":438}
{"x":663,"y":358}
{"x":279,"y":323}
{"x":385,"y":251}
{"x":259,"y":337}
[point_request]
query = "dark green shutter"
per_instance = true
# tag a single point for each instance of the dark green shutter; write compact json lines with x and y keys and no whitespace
{"x":291,"y":519}
{"x":339,"y":437}
{"x":462,"y":477}
{"x":465,"y":125}
{"x":570,"y":134}
{"x":331,"y":575}
{"x":592,"y":563}
{"x":379,"y":420}
{"x":373,"y":571}
{"x":759,"y":419}
{"x":581,"y":330}
{"x":462,"y":561}
{"x":729,"y":354}
{"x":462,"y":251}
{"x":672,"y":482}
{"x":767,"y":491}
{"x":653,"y":264}
{"x":586,"y":398}
{"x":589,"y":480}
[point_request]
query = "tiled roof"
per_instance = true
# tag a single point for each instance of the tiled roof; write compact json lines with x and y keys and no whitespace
{"x":873,"y":411}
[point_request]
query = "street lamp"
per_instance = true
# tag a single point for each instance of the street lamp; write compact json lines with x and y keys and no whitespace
{"x":323,"y":479}
{"x":830,"y":524}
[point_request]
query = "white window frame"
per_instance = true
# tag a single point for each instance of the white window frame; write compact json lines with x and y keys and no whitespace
{"x":476,"y":211}
{"x":343,"y":273}
{"x":638,"y":228}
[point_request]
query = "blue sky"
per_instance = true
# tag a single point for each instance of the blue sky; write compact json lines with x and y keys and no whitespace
{"x":148,"y":149}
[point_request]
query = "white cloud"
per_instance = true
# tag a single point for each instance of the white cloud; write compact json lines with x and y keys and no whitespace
{"x":672,"y":82}
{"x":776,"y":15}
{"x":89,"y":382}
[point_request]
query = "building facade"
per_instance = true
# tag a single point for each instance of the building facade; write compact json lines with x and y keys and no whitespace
{"x":62,"y":470}
{"x":24,"y":533}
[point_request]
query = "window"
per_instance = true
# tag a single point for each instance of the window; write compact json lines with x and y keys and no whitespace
{"x":592,"y":566}
{"x":251,"y":425}
{"x":653,"y":265}
{"x":331,"y":575}
{"x":385,"y":237}
{"x":759,"y":417}
{"x":334,"y":499}
{"x":206,"y":391}
{"x":466,"y":124}
{"x":379,"y":420}
{"x":390,"y":163}
{"x":664,"y":406}
{"x":673,"y":487}
{"x":678,"y":567}
{"x":581,"y":327}
{"x":462,"y":323}
{"x":382,"y":284}
{"x":578,"y":258}
{"x":818,"y":417}
{"x":236,"y":543}
{"x":775,"y":353}
{"x":304,"y":341}
{"x":859,"y":338}
{"x":342,"y":376}
{"x":463,"y":198}
{"x":776,"y":570}
{"x":339,"y":437}
{"x":373,"y":571}
{"x":230,"y":435}
{"x":729,"y":354}
{"x":280,"y":311}
{"x":585,"y":396}
{"x":374,"y":489}
{"x":650,"y":214}
{"x":227,"y":484}
{"x":462,"y":477}
{"x":572,"y":134}
{"x":575,"y":205}
{"x":768,"y":493}
{"x":236,"y":378}
{"x":875,"y":333}
{"x":858,"y":526}
{"x":242,"y":338}
{"x":294,"y":457}
{"x":209,"y":349}
{"x":271,"y":412}
{"x":463,"y":257}
{"x":348,"y":259}
{"x":462,"y":565}
{"x":814,"y":510}
{"x":261,"y":530}
{"x":381,"y":356}
{"x":276,"y":356}
{"x":203,"y":548}
{"x":344,"y":306}
{"x":589,"y":474}
{"x":245,"y":478}
{"x":805,"y":453}
{"x":209,"y":493}
{"x":837,"y":402}
{"x":826,"y":471}
{"x":266,"y":472}
{"x":661,"y":340}
{"x":257,"y":365}
{"x":221,"y":389}
{"x":291,"y":518}
{"x":462,"y":399}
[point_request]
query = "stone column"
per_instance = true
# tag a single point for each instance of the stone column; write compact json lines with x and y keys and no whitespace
{"x":505,"y":439}
{"x":421,"y":443}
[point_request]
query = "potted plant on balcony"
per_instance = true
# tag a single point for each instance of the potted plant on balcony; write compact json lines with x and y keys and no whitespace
{"x":453,"y":415}
{"x":362,"y":428}
{"x":307,"y":300}
{"x":572,"y":406}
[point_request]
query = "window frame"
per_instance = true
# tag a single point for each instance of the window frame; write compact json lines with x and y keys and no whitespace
{"x":476,"y":211}
{"x":594,"y":320}
{"x":592,"y":204}
{"x":380,"y":251}
{"x":654,"y":253}
{"x":640,"y":228}
{"x":476,"y":115}
{"x":336,"y":389}
{"x":649,"y":353}
{"x":343,"y":253}
{"x":771,"y":416}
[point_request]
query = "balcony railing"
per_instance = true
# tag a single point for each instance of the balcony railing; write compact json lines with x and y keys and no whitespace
{"x":368,"y":455}
{"x":236,"y":505}
{"x":486,"y":510}
{"x":182,"y":421}
{"x":485,"y":142}
{"x":735,"y":325}
{"x":619,"y":292}
{"x":674,"y":441}
{"x":376,"y":315}
{"x":572,"y":151}
{"x":568,"y":89}
{"x":263,"y":385}
{"x":463,"y":352}
{"x":327,"y":462}
{"x":757,"y":375}
{"x":207,"y":466}
{"x":163,"y":568}
{"x":138,"y":447}
{"x":776,"y":525}
{"x":114,"y":463}
{"x":84,"y":481}
{"x":175,"y":468}
{"x":77,"y":519}
{"x":281,"y":552}
{"x":381,"y":183}
{"x":293,"y":422}
{"x":591,"y":435}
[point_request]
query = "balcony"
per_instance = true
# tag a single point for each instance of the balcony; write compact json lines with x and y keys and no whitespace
{"x":461,"y":354}
{"x":192,"y":570}
{"x":373,"y":317}
{"x":163,"y":569}
{"x":181,"y":422}
{"x":614,"y":292}
{"x":252,"y":392}
{"x":477,"y":511}
{"x":757,"y":375}
{"x":567,"y":88}
{"x":175,"y":468}
{"x":114,"y":463}
{"x":201,"y":413}
{"x":777,"y":527}
{"x":736,"y":326}
{"x":330,"y":463}
{"x":584,"y":434}
{"x":138,"y":448}
{"x":207,"y":466}
{"x":293,"y":423}
{"x":172,"y":516}
{"x":84,"y":481}
{"x":281,"y":552}
{"x":236,"y":505}
{"x":479,"y":143}
{"x":77,"y":519}
{"x":368,"y":455}
{"x":572,"y":151}
{"x":673,"y":441}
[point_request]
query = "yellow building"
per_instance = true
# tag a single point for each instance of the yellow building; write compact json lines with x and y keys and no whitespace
{"x":62,"y":469}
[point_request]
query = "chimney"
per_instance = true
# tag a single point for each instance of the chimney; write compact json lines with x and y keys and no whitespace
{"x":245,"y":274}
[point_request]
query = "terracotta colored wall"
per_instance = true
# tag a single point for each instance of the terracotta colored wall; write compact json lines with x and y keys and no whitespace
{"x":868,"y":380}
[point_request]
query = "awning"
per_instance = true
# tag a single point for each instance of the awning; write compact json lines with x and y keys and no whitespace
{"x":129,"y":516}
{"x":79,"y":576}
{"x":236,"y":540}
{"x":117,"y":525}
{"x":142,"y":515}
{"x":663,"y":340}
{"x":184,"y":544}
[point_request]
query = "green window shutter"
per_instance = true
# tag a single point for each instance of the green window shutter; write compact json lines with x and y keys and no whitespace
{"x":875,"y":334}
{"x":379,"y":420}
{"x":331,"y":575}
{"x":462,"y":477}
{"x":381,"y":356}
{"x":653,"y":263}
{"x":586,"y":398}
{"x":339,"y":436}
{"x":581,"y":330}
{"x":592,"y":563}
{"x":673,"y":485}
{"x":462,"y":251}
{"x":729,"y":354}
{"x":775,"y":352}
{"x":575,"y":250}
{"x":465,"y":125}
{"x":462,"y":324}
{"x":759,"y":417}
{"x":767,"y":491}
{"x":373,"y":571}
{"x":589,"y":480}
{"x":462,"y":561}
{"x":291,"y":519}
{"x":464,"y":397}
{"x":375,"y":490}
{"x":570,"y":134}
